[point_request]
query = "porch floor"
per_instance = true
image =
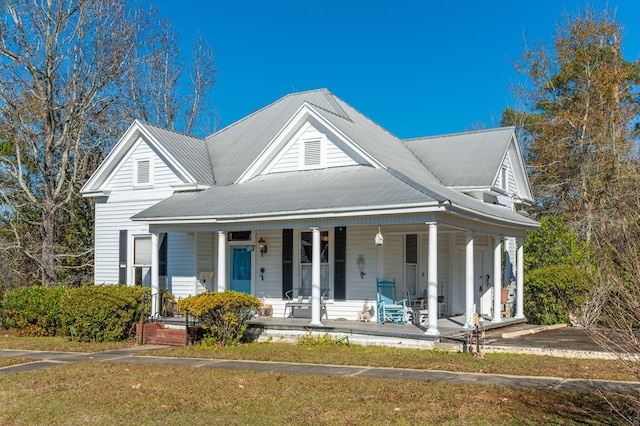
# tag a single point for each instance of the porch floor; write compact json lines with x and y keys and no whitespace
{"x":449,"y":328}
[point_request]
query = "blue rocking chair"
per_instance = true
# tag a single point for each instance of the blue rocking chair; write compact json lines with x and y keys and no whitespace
{"x":390,"y":309}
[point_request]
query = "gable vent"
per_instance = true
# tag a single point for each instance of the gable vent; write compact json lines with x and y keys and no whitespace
{"x":143,"y":172}
{"x":312,"y":153}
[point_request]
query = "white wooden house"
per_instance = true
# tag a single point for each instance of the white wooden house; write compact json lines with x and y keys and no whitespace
{"x":298,"y":194}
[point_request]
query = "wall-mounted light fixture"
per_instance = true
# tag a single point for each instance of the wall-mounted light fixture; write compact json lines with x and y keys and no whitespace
{"x":360,"y":263}
{"x":262,"y":246}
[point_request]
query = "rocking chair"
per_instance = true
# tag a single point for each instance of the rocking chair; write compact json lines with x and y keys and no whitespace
{"x":389,"y":308}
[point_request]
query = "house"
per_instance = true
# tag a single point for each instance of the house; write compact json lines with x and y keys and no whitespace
{"x":309,"y":193}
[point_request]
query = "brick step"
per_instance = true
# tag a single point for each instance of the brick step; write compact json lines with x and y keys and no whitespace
{"x":156,"y":334}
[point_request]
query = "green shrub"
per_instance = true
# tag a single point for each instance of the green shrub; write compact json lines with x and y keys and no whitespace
{"x":553,"y":293}
{"x":223,"y":315}
{"x":33,"y":311}
{"x":102,"y":313}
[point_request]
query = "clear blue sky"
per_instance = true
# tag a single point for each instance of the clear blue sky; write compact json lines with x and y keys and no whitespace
{"x":417,"y":68}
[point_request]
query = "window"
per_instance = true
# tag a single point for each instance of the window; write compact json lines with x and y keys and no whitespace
{"x":504,"y":183}
{"x":142,"y":260}
{"x":306,"y":256}
{"x":143,"y":173}
{"x":411,"y":263}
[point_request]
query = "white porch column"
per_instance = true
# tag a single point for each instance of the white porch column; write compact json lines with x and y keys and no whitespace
{"x":497,"y":278}
{"x":432,"y":280}
{"x":468,"y":284}
{"x":155,"y":276}
{"x":520,"y":279}
{"x":315,"y":279}
{"x":222,"y":262}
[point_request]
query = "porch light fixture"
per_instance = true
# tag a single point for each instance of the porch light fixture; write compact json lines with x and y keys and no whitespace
{"x":360,"y":264}
{"x":379,"y":238}
{"x":262,"y":246}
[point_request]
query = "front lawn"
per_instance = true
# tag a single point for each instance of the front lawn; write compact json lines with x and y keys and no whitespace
{"x":376,"y":356}
{"x":9,"y":340}
{"x":106,"y":394}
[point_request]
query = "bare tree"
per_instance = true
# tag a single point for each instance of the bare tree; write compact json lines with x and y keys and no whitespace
{"x":73,"y":74}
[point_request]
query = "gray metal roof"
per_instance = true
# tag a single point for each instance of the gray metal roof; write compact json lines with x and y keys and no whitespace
{"x":189,"y":151}
{"x":303,"y":192}
{"x":464,"y":159}
{"x":403,"y":180}
{"x":235,"y":147}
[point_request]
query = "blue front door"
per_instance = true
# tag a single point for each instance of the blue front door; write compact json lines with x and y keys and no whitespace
{"x":241,"y":269}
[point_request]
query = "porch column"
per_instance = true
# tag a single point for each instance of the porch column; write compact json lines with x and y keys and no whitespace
{"x":468,"y":285}
{"x":520,"y":279}
{"x":315,"y":279}
{"x":222,"y":261}
{"x":497,"y":278}
{"x":432,"y":280}
{"x":155,"y":275}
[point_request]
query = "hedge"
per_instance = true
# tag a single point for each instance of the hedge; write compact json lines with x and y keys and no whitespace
{"x":102,"y":313}
{"x":554,"y":292}
{"x":33,"y":311}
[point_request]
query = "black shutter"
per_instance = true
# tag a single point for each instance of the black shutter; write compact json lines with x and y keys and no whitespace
{"x":340,"y":264}
{"x":162,"y":257}
{"x":287,"y":261}
{"x":122,"y":257}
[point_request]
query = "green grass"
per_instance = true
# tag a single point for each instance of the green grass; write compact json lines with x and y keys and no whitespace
{"x":7,"y":361}
{"x":375,"y":356}
{"x":106,"y":394}
{"x":61,"y":344}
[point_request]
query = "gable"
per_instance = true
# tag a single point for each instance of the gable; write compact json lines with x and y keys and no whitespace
{"x":142,"y":168}
{"x":311,"y":148}
{"x":164,"y":151}
{"x":307,"y":141}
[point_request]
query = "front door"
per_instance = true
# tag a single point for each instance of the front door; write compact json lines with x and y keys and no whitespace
{"x":241,"y":269}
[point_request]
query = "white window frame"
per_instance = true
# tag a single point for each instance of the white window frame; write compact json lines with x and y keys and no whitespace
{"x":132,"y":257}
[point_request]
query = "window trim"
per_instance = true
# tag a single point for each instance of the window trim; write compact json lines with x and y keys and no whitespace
{"x":136,"y":169}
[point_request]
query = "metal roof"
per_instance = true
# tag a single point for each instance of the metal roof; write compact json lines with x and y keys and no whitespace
{"x":189,"y":151}
{"x":464,"y":159}
{"x":404,"y":173}
{"x":350,"y":187}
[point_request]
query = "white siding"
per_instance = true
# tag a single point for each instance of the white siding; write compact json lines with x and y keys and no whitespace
{"x":394,"y":259}
{"x":271,"y":285}
{"x":293,"y":156}
{"x":113,"y":213}
{"x":181,"y":265}
{"x":206,"y":261}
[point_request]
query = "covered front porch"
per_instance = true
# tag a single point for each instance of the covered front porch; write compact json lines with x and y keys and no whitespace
{"x":443,"y":266}
{"x":372,"y":333}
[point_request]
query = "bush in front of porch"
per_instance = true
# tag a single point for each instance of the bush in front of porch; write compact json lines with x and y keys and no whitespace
{"x":224,"y":315}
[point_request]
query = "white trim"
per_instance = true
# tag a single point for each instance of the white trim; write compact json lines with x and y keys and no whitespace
{"x":303,"y":114}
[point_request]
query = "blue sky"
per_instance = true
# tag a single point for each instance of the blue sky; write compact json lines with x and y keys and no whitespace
{"x":416,"y":67}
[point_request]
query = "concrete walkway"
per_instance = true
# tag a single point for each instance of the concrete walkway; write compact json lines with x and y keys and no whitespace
{"x":128,"y":356}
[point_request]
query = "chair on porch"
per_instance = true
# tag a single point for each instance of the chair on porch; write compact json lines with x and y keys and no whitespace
{"x":300,"y":298}
{"x":390,"y":309}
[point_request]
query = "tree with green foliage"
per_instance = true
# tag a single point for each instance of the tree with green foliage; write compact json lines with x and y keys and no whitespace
{"x":581,"y":106}
{"x":559,"y":280}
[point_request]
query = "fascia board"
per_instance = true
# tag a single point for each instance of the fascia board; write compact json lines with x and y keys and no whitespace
{"x":521,"y":167}
{"x":305,"y":111}
{"x":279,"y":216}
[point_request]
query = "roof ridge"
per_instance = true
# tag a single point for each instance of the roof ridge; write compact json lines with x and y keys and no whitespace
{"x":146,"y":123}
{"x":245,"y":118}
{"x":471,"y":132}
